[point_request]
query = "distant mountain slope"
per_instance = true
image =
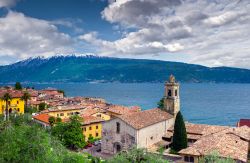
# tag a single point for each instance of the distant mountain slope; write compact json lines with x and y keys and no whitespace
{"x":104,"y":69}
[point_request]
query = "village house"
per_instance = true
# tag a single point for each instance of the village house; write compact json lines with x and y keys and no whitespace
{"x":92,"y":127}
{"x":52,"y":92}
{"x":42,"y":119}
{"x":96,"y":112}
{"x":229,"y":143}
{"x":15,"y":105}
{"x":65,"y":111}
{"x":195,"y":132}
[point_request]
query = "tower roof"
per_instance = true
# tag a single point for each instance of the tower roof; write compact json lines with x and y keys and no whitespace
{"x":171,"y":79}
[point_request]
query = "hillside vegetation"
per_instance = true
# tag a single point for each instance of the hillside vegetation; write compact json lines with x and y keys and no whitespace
{"x":105,"y":69}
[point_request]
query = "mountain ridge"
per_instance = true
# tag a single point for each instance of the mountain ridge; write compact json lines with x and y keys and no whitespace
{"x":108,"y":69}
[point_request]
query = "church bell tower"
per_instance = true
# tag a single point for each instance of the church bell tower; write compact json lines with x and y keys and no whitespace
{"x":171,"y":96}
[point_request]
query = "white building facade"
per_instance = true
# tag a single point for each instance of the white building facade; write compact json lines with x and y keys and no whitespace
{"x":136,"y":130}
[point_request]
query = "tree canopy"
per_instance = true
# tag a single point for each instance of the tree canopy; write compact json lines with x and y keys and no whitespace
{"x":160,"y":104}
{"x":42,"y":106}
{"x":70,"y":133}
{"x":23,"y":141}
{"x":137,"y":156}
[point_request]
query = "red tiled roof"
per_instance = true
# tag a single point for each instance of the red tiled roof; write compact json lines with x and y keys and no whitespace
{"x":13,"y":93}
{"x":145,"y":118}
{"x":228,"y":143}
{"x":118,"y":109}
{"x":91,"y":119}
{"x":42,"y":117}
{"x":88,"y":112}
{"x":244,"y":122}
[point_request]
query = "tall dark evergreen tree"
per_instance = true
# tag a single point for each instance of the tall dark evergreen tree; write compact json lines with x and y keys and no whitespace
{"x":180,"y":134}
{"x":18,"y":86}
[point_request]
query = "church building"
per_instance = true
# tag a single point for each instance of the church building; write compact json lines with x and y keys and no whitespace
{"x":142,"y":129}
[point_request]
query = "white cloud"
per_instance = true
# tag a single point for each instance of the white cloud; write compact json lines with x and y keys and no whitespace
{"x":210,"y":32}
{"x":22,"y":37}
{"x":7,"y":3}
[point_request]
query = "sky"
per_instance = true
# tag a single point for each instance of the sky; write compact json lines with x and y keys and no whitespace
{"x":207,"y":32}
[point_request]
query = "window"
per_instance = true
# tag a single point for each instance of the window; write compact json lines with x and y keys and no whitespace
{"x":151,"y":137}
{"x":61,"y":114}
{"x":18,"y":109}
{"x":188,"y":159}
{"x":99,"y":115}
{"x":176,"y":92}
{"x":90,"y":135}
{"x":96,"y":127}
{"x":84,"y":128}
{"x":90,"y":128}
{"x":57,"y":115}
{"x":9,"y":102}
{"x":96,"y":134}
{"x":169,"y":92}
{"x":17,"y":102}
{"x":117,"y":127}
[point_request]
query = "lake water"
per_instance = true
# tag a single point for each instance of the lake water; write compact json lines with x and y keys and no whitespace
{"x":221,"y":104}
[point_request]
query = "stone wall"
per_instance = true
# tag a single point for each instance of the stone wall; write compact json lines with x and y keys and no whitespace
{"x":126,"y":138}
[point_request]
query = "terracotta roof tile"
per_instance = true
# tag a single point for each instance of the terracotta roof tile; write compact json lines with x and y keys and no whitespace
{"x":122,"y":109}
{"x":198,"y":130}
{"x":226,"y":142}
{"x":42,"y":117}
{"x":13,"y":93}
{"x":91,"y":119}
{"x":145,"y":118}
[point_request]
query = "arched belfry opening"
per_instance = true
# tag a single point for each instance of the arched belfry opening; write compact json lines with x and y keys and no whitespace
{"x":172,"y":96}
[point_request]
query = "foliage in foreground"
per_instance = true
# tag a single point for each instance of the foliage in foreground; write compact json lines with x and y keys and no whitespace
{"x":23,"y":141}
{"x":70,"y":134}
{"x":214,"y":158}
{"x":137,"y":156}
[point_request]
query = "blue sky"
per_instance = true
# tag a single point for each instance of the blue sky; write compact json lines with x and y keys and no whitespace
{"x":207,"y":32}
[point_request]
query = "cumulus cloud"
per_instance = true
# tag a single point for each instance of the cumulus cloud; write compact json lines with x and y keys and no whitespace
{"x":22,"y":37}
{"x":210,"y":32}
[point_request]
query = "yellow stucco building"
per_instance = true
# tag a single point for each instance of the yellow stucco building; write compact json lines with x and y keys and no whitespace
{"x":15,"y":105}
{"x":92,"y":127}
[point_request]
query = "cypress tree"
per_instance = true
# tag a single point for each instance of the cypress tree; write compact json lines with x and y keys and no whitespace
{"x":18,"y":86}
{"x":180,"y":134}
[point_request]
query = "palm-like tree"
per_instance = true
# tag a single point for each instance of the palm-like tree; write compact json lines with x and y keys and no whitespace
{"x":26,"y":97}
{"x":6,"y":97}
